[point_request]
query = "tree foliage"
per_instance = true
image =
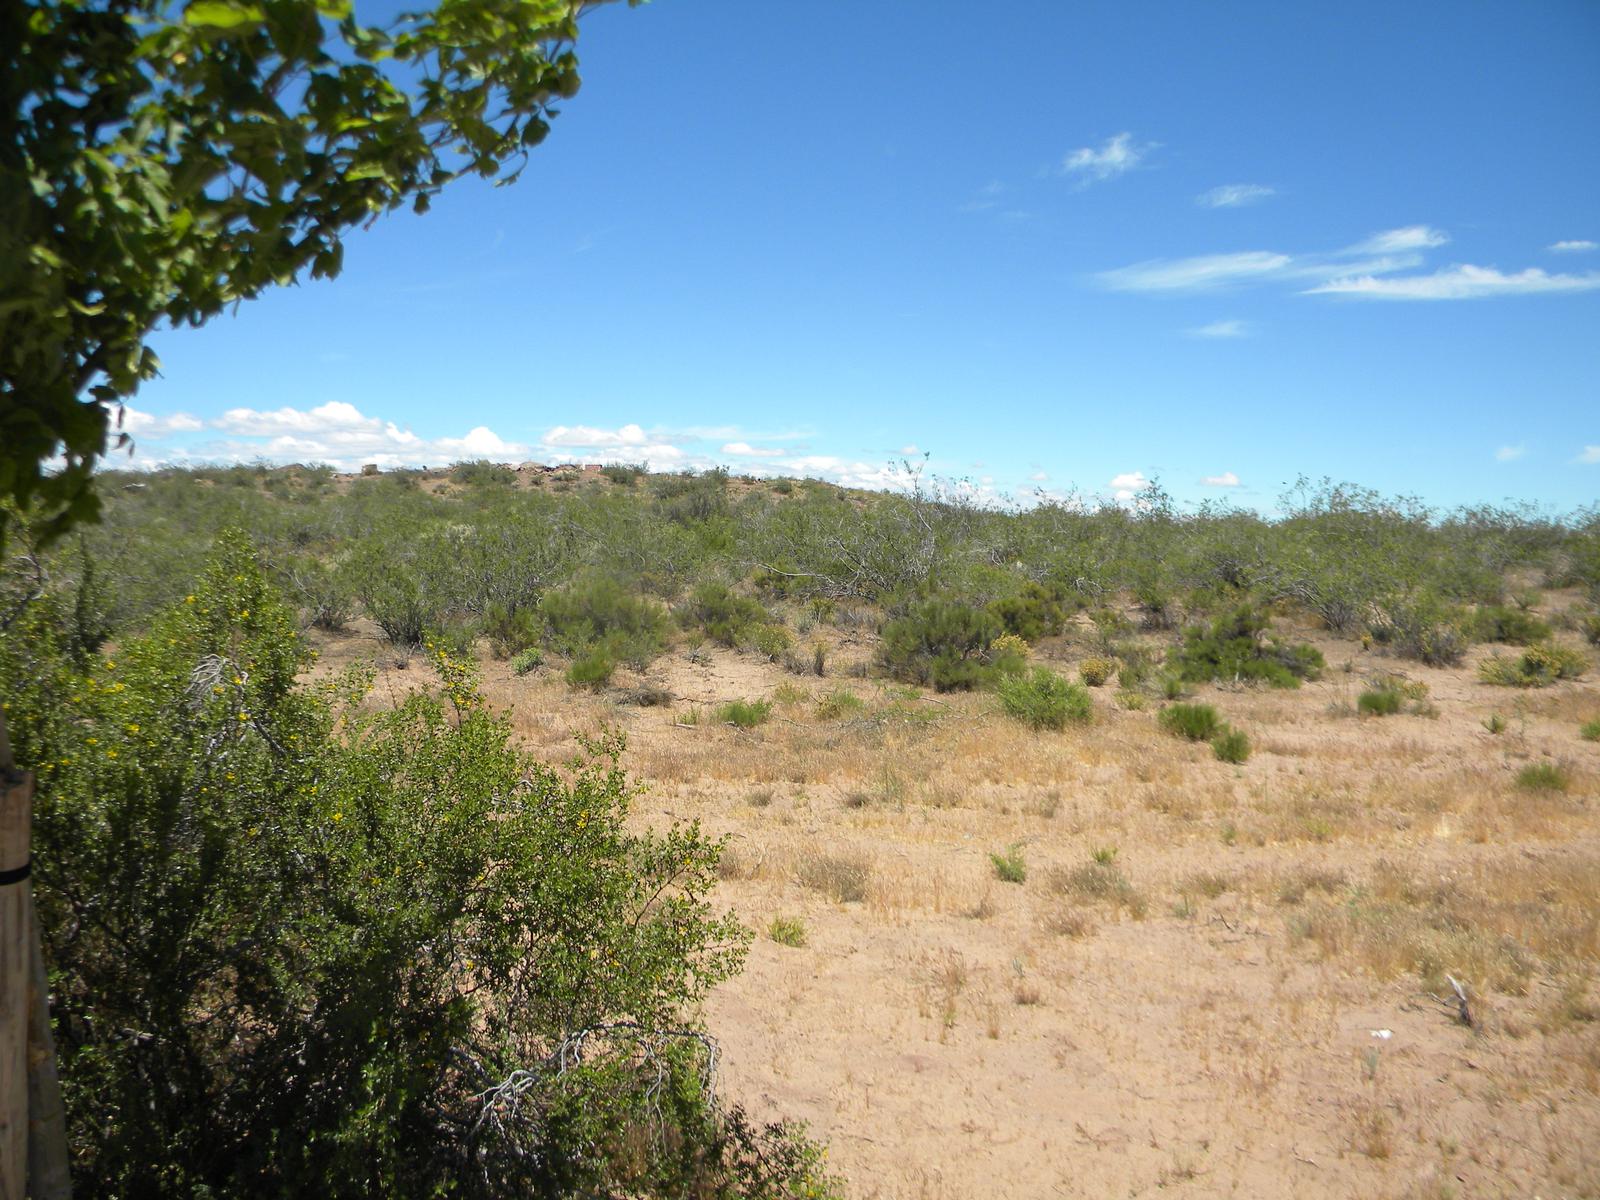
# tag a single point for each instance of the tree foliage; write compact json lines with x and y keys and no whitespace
{"x":160,"y":162}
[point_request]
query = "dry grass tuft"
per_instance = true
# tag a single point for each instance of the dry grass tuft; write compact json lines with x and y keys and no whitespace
{"x":843,"y":878}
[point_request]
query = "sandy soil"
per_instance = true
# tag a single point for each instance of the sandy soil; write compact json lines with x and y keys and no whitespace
{"x":1255,"y":1012}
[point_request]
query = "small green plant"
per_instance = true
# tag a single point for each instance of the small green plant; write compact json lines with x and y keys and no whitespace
{"x":592,"y":669}
{"x":1104,"y":855}
{"x":787,"y":931}
{"x":1379,"y":702}
{"x":1095,"y":671}
{"x":1589,"y":731}
{"x":1197,"y":722}
{"x":1045,"y":700}
{"x":1544,"y":777}
{"x":1009,"y":866}
{"x":1512,"y":626}
{"x":746,"y":714}
{"x":1236,"y":646}
{"x":527,"y":660}
{"x":838,"y":704}
{"x":1100,"y":880}
{"x":1231,"y":745}
{"x":1495,"y":723}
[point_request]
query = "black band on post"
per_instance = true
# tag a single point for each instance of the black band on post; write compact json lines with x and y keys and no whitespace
{"x":16,"y":874}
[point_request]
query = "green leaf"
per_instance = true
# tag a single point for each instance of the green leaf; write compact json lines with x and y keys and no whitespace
{"x":220,"y":14}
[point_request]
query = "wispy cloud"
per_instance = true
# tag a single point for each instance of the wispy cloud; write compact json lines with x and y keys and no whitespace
{"x":1510,"y":453}
{"x":987,"y":197}
{"x":1463,"y":282}
{"x":1590,"y":454}
{"x":589,"y":438}
{"x":1574,"y":246}
{"x":1117,"y":156}
{"x":1226,"y":480}
{"x":147,"y":425}
{"x":1235,"y":195}
{"x":1395,"y":241}
{"x":1201,"y":273}
{"x":1232,"y":328}
{"x":746,"y":450}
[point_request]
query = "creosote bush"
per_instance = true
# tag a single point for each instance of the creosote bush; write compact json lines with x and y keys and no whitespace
{"x":1537,"y":666}
{"x":1196,"y":722}
{"x":526,"y":661}
{"x":1544,"y":777}
{"x":1045,"y":700}
{"x":940,"y":643}
{"x":1231,"y":745}
{"x":1379,"y":702}
{"x":1236,"y":647}
{"x":337,"y":930}
{"x":746,"y":714}
{"x":1009,"y":865}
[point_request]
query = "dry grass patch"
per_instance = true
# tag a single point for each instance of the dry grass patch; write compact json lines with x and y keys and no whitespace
{"x":1099,"y":881}
{"x":843,"y":878}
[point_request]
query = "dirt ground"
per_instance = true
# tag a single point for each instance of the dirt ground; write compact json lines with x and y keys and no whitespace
{"x":1216,"y":980}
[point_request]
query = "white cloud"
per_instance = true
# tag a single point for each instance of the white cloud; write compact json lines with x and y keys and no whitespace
{"x":1232,"y":328}
{"x":147,"y":425}
{"x":1574,"y":246}
{"x":1462,"y":282}
{"x":910,"y":450}
{"x":1226,"y":480}
{"x":1128,"y":485}
{"x":1235,"y":195}
{"x":1040,"y":476}
{"x":1510,"y":453}
{"x":1591,"y":454}
{"x":1118,"y":156}
{"x":588,"y":437}
{"x":746,"y":450}
{"x":1201,"y":273}
{"x":1409,"y":237}
{"x":336,"y":415}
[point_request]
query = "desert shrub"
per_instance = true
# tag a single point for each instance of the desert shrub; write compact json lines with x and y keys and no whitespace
{"x":839,"y":703}
{"x":1379,"y":702}
{"x":1537,"y":666}
{"x":787,"y":931}
{"x":783,"y":487}
{"x":1096,"y":671}
{"x":1100,"y":880}
{"x":1512,"y":626}
{"x":1045,"y":700}
{"x":510,"y":630}
{"x":600,"y":611}
{"x":771,"y":641}
{"x":1589,"y":626}
{"x":1009,"y":865}
{"x":1196,"y":722}
{"x":746,"y":714}
{"x":688,"y":499}
{"x":625,"y":474}
{"x":406,"y":585}
{"x":1422,"y":628}
{"x":728,"y":618}
{"x":1008,"y":655}
{"x":942,"y":643}
{"x":323,"y":591}
{"x":1495,"y":723}
{"x":1235,"y":646}
{"x":334,"y":928}
{"x":592,"y":669}
{"x":483,"y":473}
{"x":1230,"y":745}
{"x":1158,"y":609}
{"x":1039,"y":610}
{"x":525,"y":661}
{"x":1589,"y":731}
{"x":1544,"y":777}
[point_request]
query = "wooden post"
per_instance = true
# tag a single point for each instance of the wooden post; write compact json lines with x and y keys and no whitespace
{"x":16,"y":813}
{"x":49,"y":1172}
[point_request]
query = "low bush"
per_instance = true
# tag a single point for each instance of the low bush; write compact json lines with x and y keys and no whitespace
{"x":1512,"y":626}
{"x":746,"y":714}
{"x":1380,"y":702}
{"x":510,"y":630}
{"x":1196,"y":722}
{"x":1422,"y":628}
{"x":787,"y":931}
{"x":1537,"y":666}
{"x":323,"y":592}
{"x":483,"y":473}
{"x":623,"y":474}
{"x":1235,"y":647}
{"x":1100,"y":880}
{"x":1045,"y":700}
{"x":1039,"y":610}
{"x":592,"y":669}
{"x":838,"y":704}
{"x":525,"y":661}
{"x":599,"y":611}
{"x":1231,"y":745}
{"x":1544,"y":777}
{"x":728,"y":618}
{"x":940,"y":643}
{"x":1589,"y":731}
{"x":1096,"y":671}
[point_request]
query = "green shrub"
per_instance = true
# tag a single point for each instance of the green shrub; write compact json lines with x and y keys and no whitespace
{"x":323,"y":592}
{"x":1513,"y":626}
{"x":1039,"y":610}
{"x":787,"y":931}
{"x":1422,"y":628}
{"x":592,"y":669}
{"x":746,"y":714}
{"x":942,"y":643}
{"x":1544,"y":777}
{"x":1495,"y":723}
{"x":600,"y":611}
{"x":771,"y":641}
{"x":1045,"y":700}
{"x":483,"y":473}
{"x":1197,"y":722}
{"x":524,"y":661}
{"x":1231,"y":745}
{"x":1589,"y":731}
{"x":510,"y":630}
{"x":1380,"y":702}
{"x":1235,"y":647}
{"x":1589,"y":626}
{"x":1096,"y":671}
{"x":839,"y":703}
{"x":335,"y":929}
{"x":1009,"y":866}
{"x":1537,"y":666}
{"x":624,"y":474}
{"x":728,"y":618}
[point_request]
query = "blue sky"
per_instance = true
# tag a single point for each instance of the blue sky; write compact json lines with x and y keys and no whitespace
{"x":1054,"y":246}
